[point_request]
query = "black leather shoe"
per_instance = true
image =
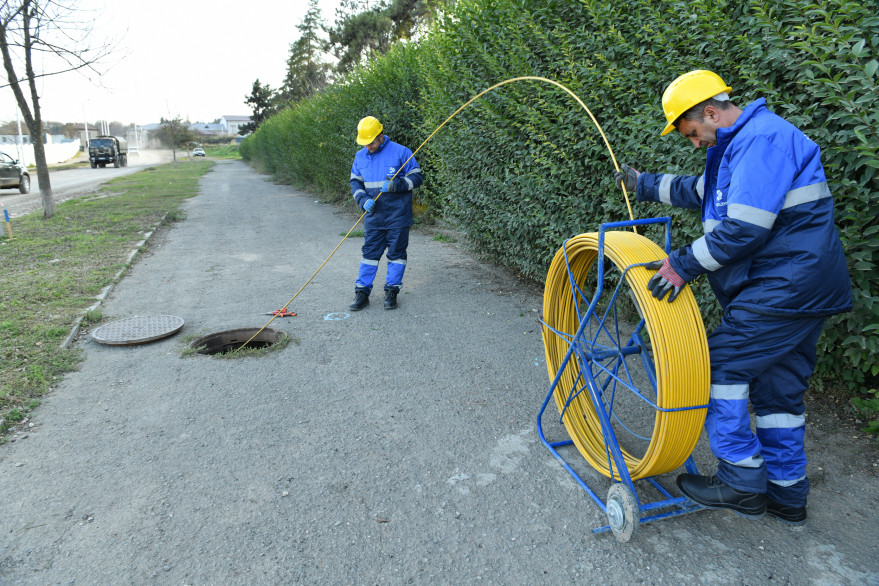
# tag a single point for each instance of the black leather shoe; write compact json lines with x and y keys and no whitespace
{"x":786,"y":514}
{"x":361,"y":300}
{"x":712,"y":493}
{"x":391,"y":298}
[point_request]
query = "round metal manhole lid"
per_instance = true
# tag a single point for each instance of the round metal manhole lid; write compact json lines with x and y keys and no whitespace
{"x":138,"y":329}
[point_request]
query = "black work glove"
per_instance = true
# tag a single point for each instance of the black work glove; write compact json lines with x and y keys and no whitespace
{"x":626,"y":177}
{"x":665,"y":280}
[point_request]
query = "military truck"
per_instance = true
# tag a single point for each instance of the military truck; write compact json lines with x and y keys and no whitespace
{"x":108,"y":149}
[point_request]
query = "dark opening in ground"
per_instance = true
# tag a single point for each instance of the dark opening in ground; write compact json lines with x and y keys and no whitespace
{"x":230,"y":341}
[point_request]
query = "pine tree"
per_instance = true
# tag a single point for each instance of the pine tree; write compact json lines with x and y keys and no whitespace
{"x":363,"y":31}
{"x":307,"y":73}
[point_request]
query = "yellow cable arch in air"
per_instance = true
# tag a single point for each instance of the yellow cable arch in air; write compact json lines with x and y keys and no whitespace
{"x":437,"y":129}
{"x":679,"y":345}
{"x":680,"y":349}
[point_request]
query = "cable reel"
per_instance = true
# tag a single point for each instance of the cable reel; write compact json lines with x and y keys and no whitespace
{"x":632,"y":398}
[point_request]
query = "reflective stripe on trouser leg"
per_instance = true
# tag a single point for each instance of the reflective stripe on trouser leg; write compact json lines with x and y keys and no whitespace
{"x":777,"y":397}
{"x":782,"y":436}
{"x":776,"y":355}
{"x":396,"y":268}
{"x":366,"y":275}
{"x":398,"y":242}
{"x":728,"y":425}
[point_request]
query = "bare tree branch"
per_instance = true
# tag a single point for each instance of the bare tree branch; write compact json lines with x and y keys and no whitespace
{"x":43,"y":28}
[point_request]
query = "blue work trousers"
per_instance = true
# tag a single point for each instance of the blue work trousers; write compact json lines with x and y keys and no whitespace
{"x":375,"y":242}
{"x":767,"y":359}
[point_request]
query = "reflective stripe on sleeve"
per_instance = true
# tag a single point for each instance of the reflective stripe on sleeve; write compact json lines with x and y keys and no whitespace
{"x":751,"y":215}
{"x":700,"y":186}
{"x":709,"y":225}
{"x":700,"y":251}
{"x":665,"y":188}
{"x":806,"y":194}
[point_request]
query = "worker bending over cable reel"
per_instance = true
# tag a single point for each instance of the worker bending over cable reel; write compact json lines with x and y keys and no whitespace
{"x":776,"y":264}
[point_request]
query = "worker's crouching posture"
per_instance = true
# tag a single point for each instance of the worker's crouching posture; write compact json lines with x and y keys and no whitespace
{"x":776,"y":264}
{"x":383,"y":176}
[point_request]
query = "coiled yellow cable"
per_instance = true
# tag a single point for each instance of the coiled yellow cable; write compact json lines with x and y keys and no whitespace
{"x":680,"y":355}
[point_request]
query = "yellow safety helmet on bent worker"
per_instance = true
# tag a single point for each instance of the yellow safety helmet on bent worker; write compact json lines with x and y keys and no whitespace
{"x":367,"y":129}
{"x":688,"y":90}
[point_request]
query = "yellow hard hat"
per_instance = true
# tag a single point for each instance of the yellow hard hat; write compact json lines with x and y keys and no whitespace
{"x":687,"y":91}
{"x":367,"y":130}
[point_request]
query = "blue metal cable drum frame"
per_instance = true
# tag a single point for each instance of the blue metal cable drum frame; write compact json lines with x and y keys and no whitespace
{"x":595,"y":369}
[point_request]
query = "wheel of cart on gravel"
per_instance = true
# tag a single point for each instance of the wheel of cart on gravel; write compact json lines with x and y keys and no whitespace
{"x":622,"y":511}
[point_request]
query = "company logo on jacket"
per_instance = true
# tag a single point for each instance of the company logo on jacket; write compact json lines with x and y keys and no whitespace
{"x":719,"y":201}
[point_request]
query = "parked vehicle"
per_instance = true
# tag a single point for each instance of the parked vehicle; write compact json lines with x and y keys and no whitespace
{"x":108,"y":149}
{"x":14,"y":174}
{"x":198,"y":152}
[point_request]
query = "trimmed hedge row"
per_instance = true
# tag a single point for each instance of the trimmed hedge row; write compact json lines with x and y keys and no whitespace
{"x":312,"y":143}
{"x":524,"y":168}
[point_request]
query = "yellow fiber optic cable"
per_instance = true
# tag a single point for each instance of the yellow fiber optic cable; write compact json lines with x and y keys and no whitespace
{"x":679,"y":348}
{"x":437,"y":129}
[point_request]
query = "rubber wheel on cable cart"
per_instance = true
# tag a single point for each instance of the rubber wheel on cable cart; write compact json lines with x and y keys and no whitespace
{"x":622,"y":511}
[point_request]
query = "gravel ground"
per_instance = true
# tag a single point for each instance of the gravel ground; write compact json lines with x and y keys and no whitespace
{"x":379,"y":447}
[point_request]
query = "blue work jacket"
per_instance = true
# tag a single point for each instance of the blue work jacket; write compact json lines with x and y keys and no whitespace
{"x":371,"y":170}
{"x":770,"y":244}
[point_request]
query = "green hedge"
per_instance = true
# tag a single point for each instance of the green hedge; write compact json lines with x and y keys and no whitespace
{"x":524,"y":168}
{"x":311,"y":144}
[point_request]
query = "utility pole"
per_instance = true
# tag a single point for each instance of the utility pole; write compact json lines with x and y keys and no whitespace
{"x":85,"y":126}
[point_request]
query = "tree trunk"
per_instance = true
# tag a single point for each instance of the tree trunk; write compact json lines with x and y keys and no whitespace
{"x":32,"y":119}
{"x":23,"y":24}
{"x":43,"y":177}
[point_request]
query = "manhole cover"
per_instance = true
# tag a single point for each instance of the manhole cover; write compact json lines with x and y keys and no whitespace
{"x":231,"y":340}
{"x":138,"y":329}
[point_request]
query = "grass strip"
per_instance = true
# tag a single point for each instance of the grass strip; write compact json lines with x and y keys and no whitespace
{"x":224,"y":151}
{"x":52,"y":270}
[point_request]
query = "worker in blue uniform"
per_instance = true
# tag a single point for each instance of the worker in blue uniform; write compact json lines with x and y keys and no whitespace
{"x":383,"y":176}
{"x":774,"y":260}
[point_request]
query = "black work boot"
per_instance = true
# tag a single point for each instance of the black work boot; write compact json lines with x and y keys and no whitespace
{"x":785,"y":513}
{"x":391,"y":298}
{"x":712,"y":493}
{"x":361,"y":300}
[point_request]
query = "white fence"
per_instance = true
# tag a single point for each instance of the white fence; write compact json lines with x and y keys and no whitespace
{"x":55,"y":153}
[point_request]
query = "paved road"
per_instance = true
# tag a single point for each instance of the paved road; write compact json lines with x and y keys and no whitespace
{"x":72,"y":183}
{"x":382,"y":447}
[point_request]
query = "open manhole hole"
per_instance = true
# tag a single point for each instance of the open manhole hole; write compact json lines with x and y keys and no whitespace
{"x":231,"y":340}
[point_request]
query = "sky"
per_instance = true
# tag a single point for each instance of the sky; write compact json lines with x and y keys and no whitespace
{"x":196,"y":59}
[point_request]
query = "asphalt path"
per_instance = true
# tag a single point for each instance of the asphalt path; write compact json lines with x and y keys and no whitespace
{"x":379,"y":447}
